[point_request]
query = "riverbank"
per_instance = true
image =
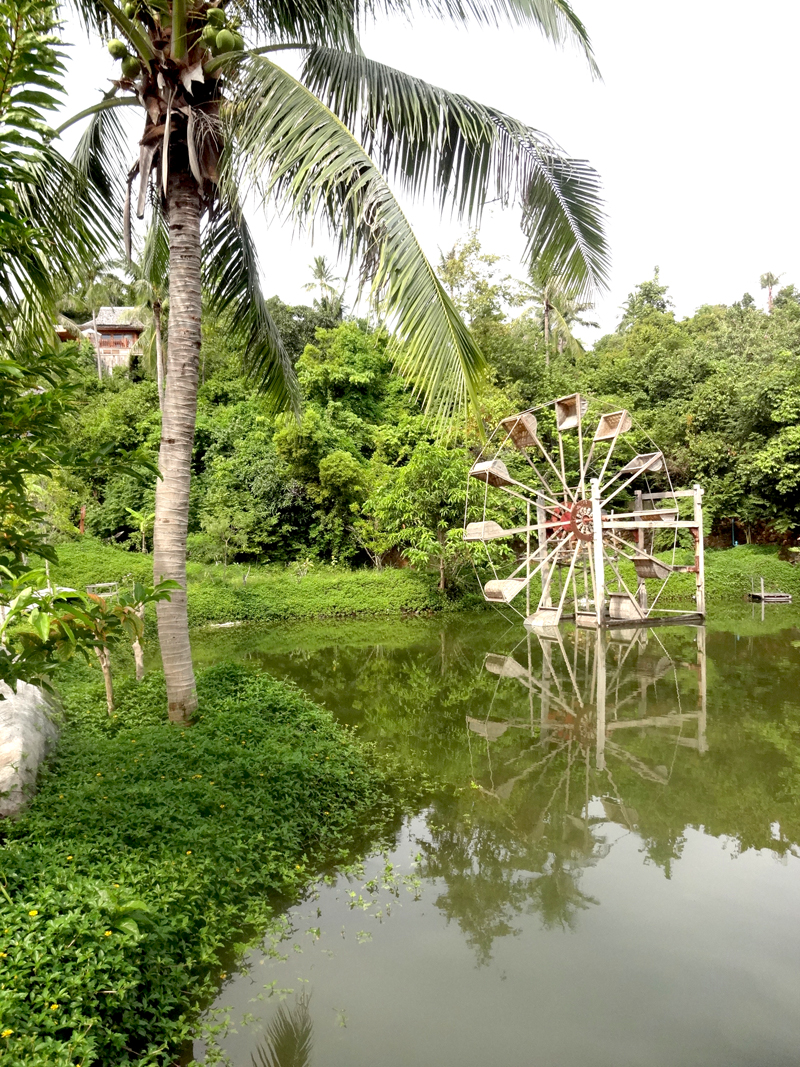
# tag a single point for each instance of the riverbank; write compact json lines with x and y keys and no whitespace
{"x":278,"y":593}
{"x":269,"y":593}
{"x":149,"y":851}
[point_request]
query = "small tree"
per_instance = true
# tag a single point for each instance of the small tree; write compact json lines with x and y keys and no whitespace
{"x":228,"y":528}
{"x":144,"y":522}
{"x":421,"y":508}
{"x":45,"y":631}
{"x":768,"y":282}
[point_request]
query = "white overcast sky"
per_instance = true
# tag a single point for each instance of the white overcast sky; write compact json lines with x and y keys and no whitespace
{"x":692,"y":129}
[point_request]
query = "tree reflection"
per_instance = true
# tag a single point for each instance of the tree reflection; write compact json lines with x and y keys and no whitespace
{"x":289,"y":1037}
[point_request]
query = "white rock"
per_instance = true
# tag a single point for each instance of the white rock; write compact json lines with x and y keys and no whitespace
{"x":27,"y":735}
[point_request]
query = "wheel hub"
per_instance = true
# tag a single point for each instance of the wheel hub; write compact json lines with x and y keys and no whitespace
{"x":581,"y":521}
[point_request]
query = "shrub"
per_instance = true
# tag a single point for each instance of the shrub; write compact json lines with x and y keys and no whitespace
{"x":149,"y":850}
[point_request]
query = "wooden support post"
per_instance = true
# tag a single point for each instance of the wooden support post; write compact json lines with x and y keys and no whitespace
{"x":528,"y":559}
{"x":600,"y":674}
{"x":699,"y":552}
{"x":598,"y":574}
{"x":702,"y":709}
{"x":541,"y":519}
{"x":641,"y":588}
{"x":544,"y":711}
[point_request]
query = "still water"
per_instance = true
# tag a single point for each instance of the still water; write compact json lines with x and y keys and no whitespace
{"x":609,"y":874}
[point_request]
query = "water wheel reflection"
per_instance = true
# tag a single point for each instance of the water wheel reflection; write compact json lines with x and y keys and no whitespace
{"x":583,"y":741}
{"x":586,"y":689}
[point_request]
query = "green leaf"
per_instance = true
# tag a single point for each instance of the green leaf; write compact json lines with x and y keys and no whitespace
{"x":296,"y":151}
{"x":468,"y":154}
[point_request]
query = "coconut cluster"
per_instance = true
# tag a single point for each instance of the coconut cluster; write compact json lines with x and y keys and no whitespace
{"x":208,"y":26}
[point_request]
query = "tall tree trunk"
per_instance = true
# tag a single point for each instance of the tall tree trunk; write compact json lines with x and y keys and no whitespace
{"x":546,"y":333}
{"x":160,"y":369}
{"x":177,"y":439}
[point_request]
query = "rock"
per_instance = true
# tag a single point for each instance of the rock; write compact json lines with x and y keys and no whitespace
{"x":28,"y":733}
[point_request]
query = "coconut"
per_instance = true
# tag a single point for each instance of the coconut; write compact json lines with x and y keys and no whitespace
{"x":117,"y":48}
{"x":216,"y":16}
{"x":209,"y":34}
{"x":226,"y":42}
{"x":238,"y":45}
{"x":131,"y":67}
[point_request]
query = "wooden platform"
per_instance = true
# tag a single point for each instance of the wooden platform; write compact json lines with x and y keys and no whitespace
{"x":763,"y":596}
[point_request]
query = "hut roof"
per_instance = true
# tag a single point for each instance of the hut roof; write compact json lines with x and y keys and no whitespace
{"x":120,"y":317}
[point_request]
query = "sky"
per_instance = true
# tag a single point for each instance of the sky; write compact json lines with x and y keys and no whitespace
{"x":692,"y":130}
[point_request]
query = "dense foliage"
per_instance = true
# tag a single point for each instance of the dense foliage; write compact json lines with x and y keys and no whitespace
{"x":149,"y":850}
{"x":361,"y":479}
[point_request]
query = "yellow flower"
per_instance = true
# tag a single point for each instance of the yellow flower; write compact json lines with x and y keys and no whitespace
{"x":7,"y":1033}
{"x":222,"y":805}
{"x":188,"y":852}
{"x":53,"y":1007}
{"x":3,"y":955}
{"x":69,"y":857}
{"x":116,"y":885}
{"x":107,"y":933}
{"x":297,"y":867}
{"x":33,"y":912}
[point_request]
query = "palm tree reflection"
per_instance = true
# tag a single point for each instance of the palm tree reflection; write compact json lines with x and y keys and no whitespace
{"x":288,"y":1040}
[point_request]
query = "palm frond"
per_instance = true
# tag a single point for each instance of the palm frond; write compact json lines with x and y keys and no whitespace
{"x":289,"y":1037}
{"x":54,"y":222}
{"x":297,"y":152}
{"x":556,"y":19}
{"x":468,"y":153}
{"x":153,"y":267}
{"x":231,"y":282}
{"x":107,"y":18}
{"x":337,"y":23}
{"x":102,"y":156}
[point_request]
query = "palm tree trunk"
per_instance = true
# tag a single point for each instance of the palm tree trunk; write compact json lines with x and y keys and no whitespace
{"x":160,"y":369}
{"x":177,"y":440}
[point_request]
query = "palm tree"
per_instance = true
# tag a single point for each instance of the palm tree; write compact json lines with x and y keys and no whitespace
{"x":768,"y":282}
{"x":222,"y":122}
{"x":330,"y":299}
{"x":559,"y":309}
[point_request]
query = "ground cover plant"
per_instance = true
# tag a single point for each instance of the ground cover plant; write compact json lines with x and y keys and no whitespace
{"x":148,"y":851}
{"x":276,"y":592}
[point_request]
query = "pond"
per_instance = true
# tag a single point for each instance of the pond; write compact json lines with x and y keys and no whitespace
{"x":608,"y":875}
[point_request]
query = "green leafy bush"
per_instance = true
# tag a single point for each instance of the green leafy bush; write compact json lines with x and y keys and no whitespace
{"x":269,"y":593}
{"x":149,"y":850}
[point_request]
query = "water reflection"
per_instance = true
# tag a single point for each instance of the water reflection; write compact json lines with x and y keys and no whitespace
{"x":289,"y":1036}
{"x":571,"y":721}
{"x":593,"y":791}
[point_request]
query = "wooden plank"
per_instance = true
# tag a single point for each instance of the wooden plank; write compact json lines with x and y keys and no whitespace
{"x":666,"y":496}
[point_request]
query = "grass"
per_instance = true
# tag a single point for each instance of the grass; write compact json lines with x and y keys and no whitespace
{"x":150,"y":850}
{"x":274,"y":593}
{"x":729,"y":573}
{"x":271,"y":593}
